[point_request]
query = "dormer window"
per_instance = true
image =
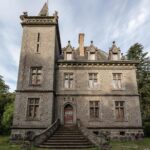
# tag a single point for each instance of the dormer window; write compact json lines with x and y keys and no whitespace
{"x":92,"y":56}
{"x":69,"y":56}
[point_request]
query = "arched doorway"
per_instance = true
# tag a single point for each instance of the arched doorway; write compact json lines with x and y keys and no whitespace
{"x":68,"y":115}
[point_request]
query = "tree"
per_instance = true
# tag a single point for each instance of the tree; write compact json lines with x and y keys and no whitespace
{"x":6,"y":107}
{"x":136,"y":52}
{"x":3,"y":87}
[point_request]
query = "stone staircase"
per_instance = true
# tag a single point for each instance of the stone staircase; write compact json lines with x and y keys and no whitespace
{"x":67,"y":137}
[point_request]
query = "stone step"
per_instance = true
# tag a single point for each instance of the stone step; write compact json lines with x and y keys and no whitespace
{"x":67,"y":147}
{"x":69,"y":140}
{"x":67,"y":143}
{"x":58,"y":133}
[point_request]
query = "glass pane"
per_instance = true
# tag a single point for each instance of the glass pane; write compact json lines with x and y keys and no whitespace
{"x":30,"y":113}
{"x":115,"y":84}
{"x":31,"y":101}
{"x":121,"y":113}
{"x":117,"y":103}
{"x":92,"y":112}
{"x":119,"y":84}
{"x":91,"y":83}
{"x":36,"y":111}
{"x":36,"y":101}
{"x":91,"y":104}
{"x":33,"y":80}
{"x":69,"y":56}
{"x":34,"y":70}
{"x":92,"y":56}
{"x":96,"y":112}
{"x":96,"y":103}
{"x":117,"y":113}
{"x":39,"y":71}
{"x":71,"y":84}
{"x":66,"y":84}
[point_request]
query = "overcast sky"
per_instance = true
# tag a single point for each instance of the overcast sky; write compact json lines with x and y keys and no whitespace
{"x":103,"y":21}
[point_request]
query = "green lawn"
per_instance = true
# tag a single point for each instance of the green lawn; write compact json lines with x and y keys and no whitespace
{"x":137,"y":145}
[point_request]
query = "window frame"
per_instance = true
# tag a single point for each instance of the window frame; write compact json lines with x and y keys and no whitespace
{"x":39,"y":68}
{"x":92,"y":77}
{"x":34,"y":105}
{"x":70,"y":57}
{"x":118,"y":111}
{"x":117,"y":81}
{"x":70,"y":80}
{"x":96,"y":110}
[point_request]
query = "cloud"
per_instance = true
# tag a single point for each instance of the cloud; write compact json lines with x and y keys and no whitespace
{"x":101,"y":21}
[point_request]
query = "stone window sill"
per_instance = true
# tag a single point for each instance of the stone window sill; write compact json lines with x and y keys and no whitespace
{"x":32,"y":119}
{"x":121,"y":121}
{"x":95,"y":120}
{"x":118,"y":89}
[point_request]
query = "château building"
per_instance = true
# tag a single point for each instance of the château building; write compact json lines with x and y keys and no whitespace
{"x":83,"y":84}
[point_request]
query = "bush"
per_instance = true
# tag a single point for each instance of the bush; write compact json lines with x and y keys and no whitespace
{"x":147,"y":128}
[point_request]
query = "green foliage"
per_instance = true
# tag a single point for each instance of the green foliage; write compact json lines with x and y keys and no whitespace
{"x":6,"y":107}
{"x":143,"y":77}
{"x":3,"y":87}
{"x":147,"y":128}
{"x":7,"y":116}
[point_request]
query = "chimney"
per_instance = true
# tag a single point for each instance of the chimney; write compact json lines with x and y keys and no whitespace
{"x":81,"y":44}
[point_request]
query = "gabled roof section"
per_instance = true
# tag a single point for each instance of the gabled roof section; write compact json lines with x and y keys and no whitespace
{"x":91,"y":48}
{"x":44,"y":10}
{"x":68,"y":48}
{"x":114,"y":48}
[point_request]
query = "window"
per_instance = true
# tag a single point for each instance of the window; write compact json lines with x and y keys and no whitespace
{"x":117,"y":80}
{"x":94,"y":109}
{"x":36,"y":75}
{"x":92,"y":56}
{"x":33,"y":107}
{"x":115,"y":56}
{"x":93,"y":82}
{"x":68,"y":80}
{"x":38,"y":43}
{"x":69,"y":56}
{"x":119,"y":110}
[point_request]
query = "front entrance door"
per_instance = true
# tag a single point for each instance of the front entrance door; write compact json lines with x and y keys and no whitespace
{"x":68,"y":115}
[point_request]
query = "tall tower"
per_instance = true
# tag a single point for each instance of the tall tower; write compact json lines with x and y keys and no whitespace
{"x":35,"y":94}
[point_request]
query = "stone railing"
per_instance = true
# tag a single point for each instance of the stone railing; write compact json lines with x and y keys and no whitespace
{"x":93,"y":138}
{"x":40,"y":138}
{"x":102,"y":140}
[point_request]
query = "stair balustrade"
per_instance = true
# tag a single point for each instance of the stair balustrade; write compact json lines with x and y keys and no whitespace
{"x":40,"y":138}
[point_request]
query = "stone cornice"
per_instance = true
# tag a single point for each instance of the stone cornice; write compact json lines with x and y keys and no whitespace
{"x":74,"y":63}
{"x":35,"y":91}
{"x":38,"y":20}
{"x":73,"y":94}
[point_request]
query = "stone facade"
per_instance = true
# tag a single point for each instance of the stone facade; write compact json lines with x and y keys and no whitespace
{"x":46,"y":52}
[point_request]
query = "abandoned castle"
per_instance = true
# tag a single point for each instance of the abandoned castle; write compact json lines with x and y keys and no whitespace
{"x":72,"y":85}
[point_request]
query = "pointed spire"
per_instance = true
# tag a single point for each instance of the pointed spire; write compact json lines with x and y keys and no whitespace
{"x":44,"y":10}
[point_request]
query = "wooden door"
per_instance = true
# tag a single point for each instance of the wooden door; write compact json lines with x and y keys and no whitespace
{"x":68,"y":115}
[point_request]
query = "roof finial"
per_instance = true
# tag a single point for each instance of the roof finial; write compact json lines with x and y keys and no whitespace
{"x":44,"y":10}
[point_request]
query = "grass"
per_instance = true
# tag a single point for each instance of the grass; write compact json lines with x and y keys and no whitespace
{"x":130,"y":145}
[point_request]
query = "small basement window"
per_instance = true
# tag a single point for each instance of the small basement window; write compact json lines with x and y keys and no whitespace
{"x":96,"y":132}
{"x":122,"y":132}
